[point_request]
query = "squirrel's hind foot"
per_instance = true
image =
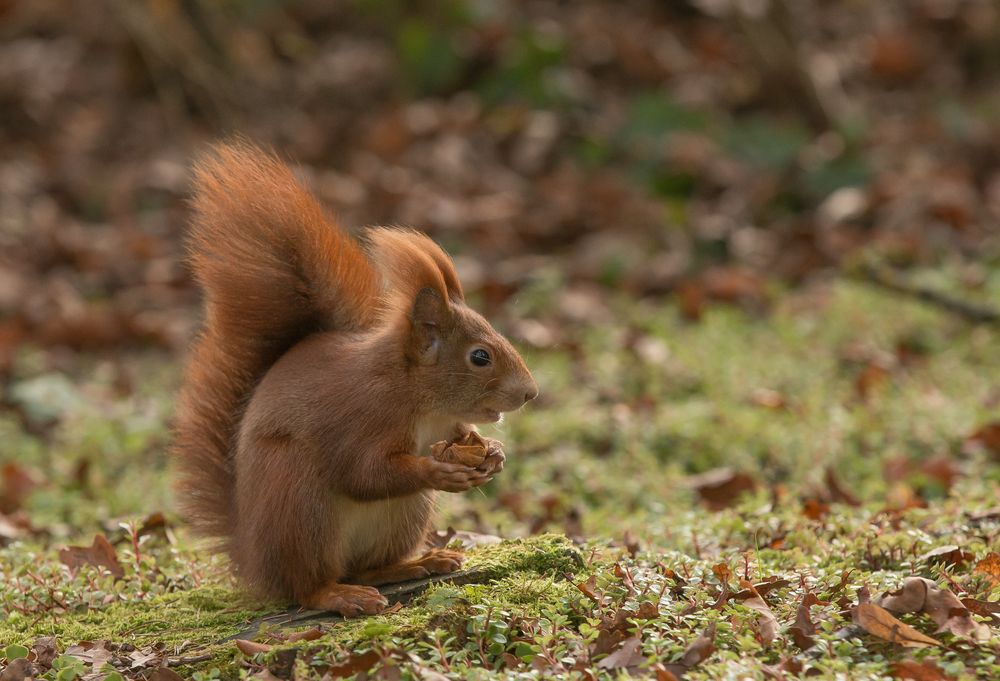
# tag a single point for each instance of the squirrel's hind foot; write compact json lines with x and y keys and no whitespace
{"x":434,"y":562}
{"x":350,"y":600}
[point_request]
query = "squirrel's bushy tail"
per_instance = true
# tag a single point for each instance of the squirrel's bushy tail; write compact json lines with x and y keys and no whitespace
{"x":273,"y":269}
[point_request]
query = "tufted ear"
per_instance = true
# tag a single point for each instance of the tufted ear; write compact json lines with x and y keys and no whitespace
{"x":429,"y":320}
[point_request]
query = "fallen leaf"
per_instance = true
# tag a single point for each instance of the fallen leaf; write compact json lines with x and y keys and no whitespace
{"x":151,"y":656}
{"x":252,"y":647}
{"x":763,"y":587}
{"x":878,"y":622}
{"x":768,"y":399}
{"x":949,"y":555}
{"x":168,"y":674}
{"x":720,"y":488}
{"x":468,"y":540}
{"x":917,"y":671}
{"x":989,"y":567}
{"x":872,"y":377}
{"x":803,"y":629}
{"x":16,"y":483}
{"x":154,"y":523}
{"x":814,"y":509}
{"x":837,"y":491}
{"x":44,"y":651}
{"x":986,"y":436}
{"x":589,"y":589}
{"x":696,"y":653}
{"x":766,"y":620}
{"x":101,"y":554}
{"x":307,"y":635}
{"x":355,"y":664}
{"x":18,"y":670}
{"x":918,"y":594}
{"x":628,"y":656}
{"x":988,"y":609}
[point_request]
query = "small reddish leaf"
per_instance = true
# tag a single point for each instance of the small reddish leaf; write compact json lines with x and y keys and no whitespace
{"x":873,"y":377}
{"x":101,"y":553}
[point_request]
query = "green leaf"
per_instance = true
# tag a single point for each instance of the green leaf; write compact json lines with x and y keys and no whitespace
{"x":15,"y":652}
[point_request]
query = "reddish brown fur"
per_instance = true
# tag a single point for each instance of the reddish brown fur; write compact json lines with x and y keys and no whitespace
{"x":324,"y":371}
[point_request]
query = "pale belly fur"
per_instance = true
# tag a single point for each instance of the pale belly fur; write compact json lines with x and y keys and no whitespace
{"x":383,"y":532}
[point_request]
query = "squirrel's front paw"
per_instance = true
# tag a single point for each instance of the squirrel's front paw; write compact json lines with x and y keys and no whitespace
{"x":454,"y":477}
{"x":495,"y":458}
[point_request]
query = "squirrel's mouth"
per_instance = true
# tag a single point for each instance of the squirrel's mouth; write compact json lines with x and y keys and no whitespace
{"x":487,"y":415}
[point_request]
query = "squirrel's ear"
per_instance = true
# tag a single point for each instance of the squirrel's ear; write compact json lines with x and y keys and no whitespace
{"x":429,"y":317}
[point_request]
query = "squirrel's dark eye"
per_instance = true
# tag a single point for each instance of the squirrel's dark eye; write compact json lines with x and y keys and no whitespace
{"x":479,"y":357}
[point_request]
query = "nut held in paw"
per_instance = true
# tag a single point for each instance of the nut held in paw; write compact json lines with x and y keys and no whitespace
{"x":469,"y":450}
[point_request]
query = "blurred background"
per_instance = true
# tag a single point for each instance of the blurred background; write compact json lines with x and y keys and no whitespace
{"x":570,"y":154}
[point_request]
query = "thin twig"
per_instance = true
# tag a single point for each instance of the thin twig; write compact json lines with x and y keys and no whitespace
{"x":891,"y":280}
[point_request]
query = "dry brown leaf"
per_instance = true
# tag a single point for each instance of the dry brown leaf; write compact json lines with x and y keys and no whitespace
{"x":918,"y":594}
{"x":769,"y":584}
{"x":766,"y":621}
{"x":949,"y":555}
{"x":837,"y":491}
{"x":101,"y":553}
{"x":589,"y":589}
{"x":252,"y":647}
{"x":989,"y":567}
{"x":16,"y":483}
{"x":872,"y":377}
{"x":628,"y":656}
{"x":803,"y":629}
{"x":987,"y":436}
{"x":167,"y":674}
{"x":988,"y":609}
{"x":878,"y":622}
{"x":18,"y":670}
{"x":720,"y":488}
{"x":814,"y":509}
{"x":700,"y":649}
{"x":912,"y":670}
{"x":768,"y":399}
{"x":355,"y":664}
{"x":307,"y":635}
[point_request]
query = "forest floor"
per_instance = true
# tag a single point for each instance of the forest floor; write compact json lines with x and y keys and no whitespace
{"x":740,"y":497}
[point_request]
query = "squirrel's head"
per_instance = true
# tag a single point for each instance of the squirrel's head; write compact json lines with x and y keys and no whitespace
{"x":462,"y":367}
{"x":466,"y":368}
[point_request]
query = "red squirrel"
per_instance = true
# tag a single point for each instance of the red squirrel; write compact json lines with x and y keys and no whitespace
{"x":326,"y":368}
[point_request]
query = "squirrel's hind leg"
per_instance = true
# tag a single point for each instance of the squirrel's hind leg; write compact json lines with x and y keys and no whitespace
{"x":349,"y":600}
{"x":434,"y":562}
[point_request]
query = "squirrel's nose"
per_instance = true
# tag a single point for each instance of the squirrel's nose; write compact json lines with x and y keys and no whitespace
{"x":531,"y":393}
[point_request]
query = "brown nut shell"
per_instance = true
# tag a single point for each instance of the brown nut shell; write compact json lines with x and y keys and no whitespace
{"x":469,"y":450}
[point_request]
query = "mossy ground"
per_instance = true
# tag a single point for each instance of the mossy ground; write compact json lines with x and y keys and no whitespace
{"x":635,"y":400}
